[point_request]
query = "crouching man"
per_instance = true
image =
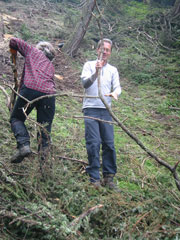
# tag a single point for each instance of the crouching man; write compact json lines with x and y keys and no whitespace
{"x":37,"y":80}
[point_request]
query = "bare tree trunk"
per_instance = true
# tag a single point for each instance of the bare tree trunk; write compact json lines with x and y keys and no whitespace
{"x":72,"y":45}
{"x":176,"y":9}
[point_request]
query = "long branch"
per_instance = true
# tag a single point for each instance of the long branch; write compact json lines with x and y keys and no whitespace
{"x":124,"y":128}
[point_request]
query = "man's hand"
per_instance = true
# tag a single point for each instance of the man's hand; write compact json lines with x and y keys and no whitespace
{"x":99,"y":65}
{"x":112,"y":94}
{"x":13,"y":52}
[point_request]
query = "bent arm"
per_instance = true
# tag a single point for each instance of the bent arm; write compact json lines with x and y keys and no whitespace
{"x":19,"y":45}
{"x":88,"y":76}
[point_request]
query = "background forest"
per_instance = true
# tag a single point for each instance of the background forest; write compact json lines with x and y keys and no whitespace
{"x":57,"y":202}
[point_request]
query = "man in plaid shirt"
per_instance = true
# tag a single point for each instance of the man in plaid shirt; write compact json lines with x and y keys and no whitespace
{"x":37,"y":80}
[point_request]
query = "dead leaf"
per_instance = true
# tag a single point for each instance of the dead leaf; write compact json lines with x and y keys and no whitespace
{"x":59,"y":77}
{"x":7,"y":36}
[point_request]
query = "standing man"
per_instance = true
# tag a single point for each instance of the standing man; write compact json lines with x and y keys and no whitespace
{"x":37,"y":80}
{"x":97,"y":132}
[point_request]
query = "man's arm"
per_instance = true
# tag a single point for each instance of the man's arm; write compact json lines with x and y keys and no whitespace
{"x":19,"y":45}
{"x":88,"y":76}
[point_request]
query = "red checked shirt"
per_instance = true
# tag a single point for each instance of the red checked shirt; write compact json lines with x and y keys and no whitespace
{"x":38,"y":72}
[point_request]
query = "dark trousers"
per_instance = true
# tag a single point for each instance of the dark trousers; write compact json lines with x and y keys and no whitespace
{"x":97,"y":133}
{"x":45,"y":113}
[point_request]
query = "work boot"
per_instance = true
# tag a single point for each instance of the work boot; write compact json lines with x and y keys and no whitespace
{"x":108,"y":182}
{"x":21,"y":153}
{"x":96,"y":184}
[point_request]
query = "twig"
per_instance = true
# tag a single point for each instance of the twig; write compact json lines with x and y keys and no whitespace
{"x":22,"y":218}
{"x":58,"y":94}
{"x":175,"y":108}
{"x":6,"y":95}
{"x":8,"y":178}
{"x":13,"y":215}
{"x":73,"y":159}
{"x":11,"y":173}
{"x":89,"y":211}
{"x":177,"y":208}
{"x":140,"y":219}
{"x":97,"y":119}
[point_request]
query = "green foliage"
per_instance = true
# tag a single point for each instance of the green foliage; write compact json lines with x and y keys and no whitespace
{"x":25,"y":32}
{"x":45,"y":207}
{"x":137,"y":10}
{"x":144,"y":46}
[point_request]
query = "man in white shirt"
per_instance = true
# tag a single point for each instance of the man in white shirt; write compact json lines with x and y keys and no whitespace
{"x":99,"y":133}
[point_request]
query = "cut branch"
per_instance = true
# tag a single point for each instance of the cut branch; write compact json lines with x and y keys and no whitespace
{"x":97,"y":119}
{"x":151,"y":154}
{"x":84,"y":214}
{"x":120,"y":124}
{"x":73,"y":159}
{"x":174,"y":108}
{"x":6,"y":95}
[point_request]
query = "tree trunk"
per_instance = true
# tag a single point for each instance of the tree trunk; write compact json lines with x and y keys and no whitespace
{"x":72,"y":45}
{"x":176,"y":9}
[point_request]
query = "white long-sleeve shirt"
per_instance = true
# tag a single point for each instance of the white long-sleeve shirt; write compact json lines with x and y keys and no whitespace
{"x":109,"y":83}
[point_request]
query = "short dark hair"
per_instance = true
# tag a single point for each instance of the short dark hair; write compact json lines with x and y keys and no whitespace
{"x":104,"y":40}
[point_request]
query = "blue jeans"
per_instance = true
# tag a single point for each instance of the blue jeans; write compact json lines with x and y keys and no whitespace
{"x":99,"y":133}
{"x":45,"y":113}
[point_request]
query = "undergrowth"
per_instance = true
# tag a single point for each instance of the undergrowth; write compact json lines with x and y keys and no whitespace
{"x":44,"y":207}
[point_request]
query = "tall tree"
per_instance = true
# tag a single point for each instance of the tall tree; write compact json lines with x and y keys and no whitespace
{"x":72,"y":45}
{"x":176,"y":9}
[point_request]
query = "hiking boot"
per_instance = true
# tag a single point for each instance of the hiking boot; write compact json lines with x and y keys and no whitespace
{"x":21,"y":153}
{"x":96,"y":184}
{"x":108,"y":182}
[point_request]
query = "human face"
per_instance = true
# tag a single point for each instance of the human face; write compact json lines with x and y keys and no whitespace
{"x":106,"y":51}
